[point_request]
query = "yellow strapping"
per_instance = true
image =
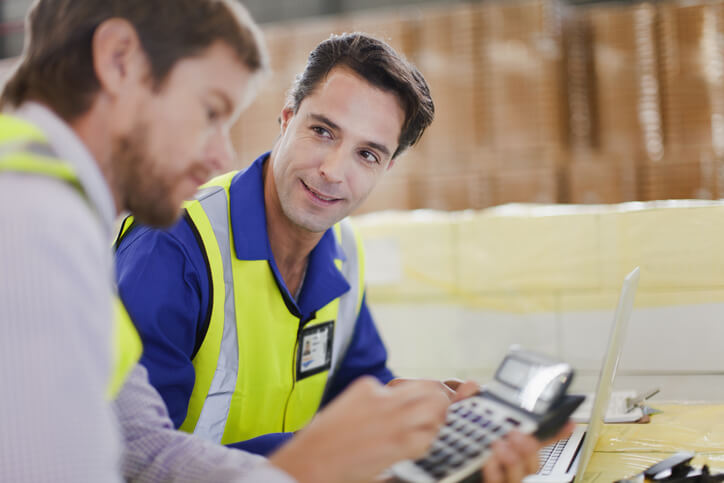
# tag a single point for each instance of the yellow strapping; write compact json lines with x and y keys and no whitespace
{"x":206,"y":358}
{"x":16,"y":130}
{"x":37,"y":164}
{"x":126,"y":348}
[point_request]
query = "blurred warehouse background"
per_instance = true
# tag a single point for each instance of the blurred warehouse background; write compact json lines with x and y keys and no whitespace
{"x":540,"y":101}
{"x":537,"y":101}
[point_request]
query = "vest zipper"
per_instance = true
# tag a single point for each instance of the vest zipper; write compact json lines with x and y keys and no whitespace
{"x":294,"y":375}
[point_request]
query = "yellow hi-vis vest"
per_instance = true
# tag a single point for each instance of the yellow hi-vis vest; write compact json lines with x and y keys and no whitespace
{"x":24,"y":149}
{"x":246,"y":367}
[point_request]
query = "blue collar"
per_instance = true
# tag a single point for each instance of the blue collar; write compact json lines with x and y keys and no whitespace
{"x":323,"y":281}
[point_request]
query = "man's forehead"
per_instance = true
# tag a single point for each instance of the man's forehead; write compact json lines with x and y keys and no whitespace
{"x":343,"y":95}
{"x":217,"y":70}
{"x":349,"y":78}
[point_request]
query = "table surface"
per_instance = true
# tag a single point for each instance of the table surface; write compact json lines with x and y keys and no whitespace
{"x":627,"y":449}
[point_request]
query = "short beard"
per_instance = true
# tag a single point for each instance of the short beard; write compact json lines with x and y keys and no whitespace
{"x":145,"y":192}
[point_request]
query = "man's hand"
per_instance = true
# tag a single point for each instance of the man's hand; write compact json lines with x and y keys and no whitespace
{"x":454,"y":389}
{"x":365,"y":430}
{"x":370,"y":427}
{"x":516,"y":455}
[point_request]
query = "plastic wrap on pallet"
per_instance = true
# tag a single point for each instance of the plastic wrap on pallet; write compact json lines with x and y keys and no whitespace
{"x":469,"y":284}
{"x":520,"y":247}
{"x":624,"y":450}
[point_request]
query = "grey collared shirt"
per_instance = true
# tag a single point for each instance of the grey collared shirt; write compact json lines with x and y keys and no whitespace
{"x":56,"y":275}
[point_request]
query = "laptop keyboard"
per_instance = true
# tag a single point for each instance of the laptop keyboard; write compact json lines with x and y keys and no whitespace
{"x":548,"y":456}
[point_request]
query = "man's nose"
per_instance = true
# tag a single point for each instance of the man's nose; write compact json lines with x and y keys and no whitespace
{"x":332,"y":166}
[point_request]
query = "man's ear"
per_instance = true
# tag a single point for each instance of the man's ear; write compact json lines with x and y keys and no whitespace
{"x":285,"y":117}
{"x":117,"y":55}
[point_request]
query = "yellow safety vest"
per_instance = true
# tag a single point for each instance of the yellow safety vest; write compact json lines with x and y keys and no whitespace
{"x":246,"y":368}
{"x":24,"y":149}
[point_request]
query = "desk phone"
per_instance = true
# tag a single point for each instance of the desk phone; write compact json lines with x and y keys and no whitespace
{"x":528,"y":394}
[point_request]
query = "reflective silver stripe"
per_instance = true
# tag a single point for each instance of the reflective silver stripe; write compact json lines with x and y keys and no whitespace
{"x":34,"y":147}
{"x":347,"y":312}
{"x":49,"y":155}
{"x":212,"y":419}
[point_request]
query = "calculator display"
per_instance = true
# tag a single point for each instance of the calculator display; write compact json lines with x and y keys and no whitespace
{"x":531,"y":383}
{"x":514,"y":372}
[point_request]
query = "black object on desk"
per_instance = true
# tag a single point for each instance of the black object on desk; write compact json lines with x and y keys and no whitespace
{"x":675,"y":469}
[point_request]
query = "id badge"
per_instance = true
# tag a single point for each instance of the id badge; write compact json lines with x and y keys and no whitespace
{"x":314,"y":353}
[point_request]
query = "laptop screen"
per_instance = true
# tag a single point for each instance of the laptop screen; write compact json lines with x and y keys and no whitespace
{"x":608,"y":370}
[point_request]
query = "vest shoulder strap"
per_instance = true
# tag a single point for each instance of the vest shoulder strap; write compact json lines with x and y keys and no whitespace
{"x":23,"y":149}
{"x":351,"y":302}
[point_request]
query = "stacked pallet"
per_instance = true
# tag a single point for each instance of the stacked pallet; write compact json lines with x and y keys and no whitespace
{"x":524,"y":53}
{"x":538,"y":102}
{"x":451,"y":173}
{"x":692,"y":100}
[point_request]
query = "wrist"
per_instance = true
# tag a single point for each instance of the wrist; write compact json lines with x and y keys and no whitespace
{"x":303,"y":467}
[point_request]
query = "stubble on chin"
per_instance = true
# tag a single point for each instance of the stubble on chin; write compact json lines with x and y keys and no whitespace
{"x":145,"y":191}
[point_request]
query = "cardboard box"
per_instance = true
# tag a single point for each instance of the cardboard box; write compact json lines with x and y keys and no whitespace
{"x":680,"y":175}
{"x":391,"y":193}
{"x":446,"y":57}
{"x":693,"y":73}
{"x":532,"y":185}
{"x":605,"y":179}
{"x":578,"y":42}
{"x":625,"y":50}
{"x":524,"y":159}
{"x":453,"y":191}
{"x":524,"y":54}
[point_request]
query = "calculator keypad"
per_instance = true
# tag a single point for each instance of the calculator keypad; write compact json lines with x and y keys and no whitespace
{"x":470,"y":428}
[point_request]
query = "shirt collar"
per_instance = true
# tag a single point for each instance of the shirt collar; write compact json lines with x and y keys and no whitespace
{"x":248,"y":218}
{"x":69,"y":147}
{"x":323,"y":281}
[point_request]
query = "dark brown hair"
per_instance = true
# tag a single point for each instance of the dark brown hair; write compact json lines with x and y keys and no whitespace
{"x":378,"y":64}
{"x":57,"y":65}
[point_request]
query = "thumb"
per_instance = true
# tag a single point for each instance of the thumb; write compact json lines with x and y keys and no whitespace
{"x":465,"y":390}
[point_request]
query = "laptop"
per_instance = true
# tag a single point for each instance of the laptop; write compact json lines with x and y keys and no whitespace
{"x":566,"y":460}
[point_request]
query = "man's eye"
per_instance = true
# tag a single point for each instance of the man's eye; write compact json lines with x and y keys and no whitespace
{"x":320,"y":131}
{"x":212,"y":114}
{"x":369,"y":156}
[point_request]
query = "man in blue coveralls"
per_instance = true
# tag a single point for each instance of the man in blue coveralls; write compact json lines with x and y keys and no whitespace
{"x":252,"y":308}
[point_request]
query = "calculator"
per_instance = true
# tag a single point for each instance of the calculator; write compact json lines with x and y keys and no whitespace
{"x":528,"y":394}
